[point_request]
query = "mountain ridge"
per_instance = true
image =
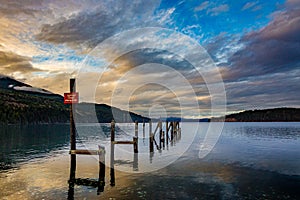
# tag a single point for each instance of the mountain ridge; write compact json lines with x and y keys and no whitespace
{"x":36,"y":106}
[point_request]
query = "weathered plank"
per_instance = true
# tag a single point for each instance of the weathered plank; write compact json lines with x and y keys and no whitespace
{"x":85,"y":152}
{"x":123,"y":142}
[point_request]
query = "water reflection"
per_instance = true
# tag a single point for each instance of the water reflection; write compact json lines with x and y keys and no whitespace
{"x":243,"y":165}
{"x":278,"y":130}
{"x":22,"y":143}
{"x":100,"y":182}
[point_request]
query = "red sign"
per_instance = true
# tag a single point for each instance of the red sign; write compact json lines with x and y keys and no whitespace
{"x":70,"y":98}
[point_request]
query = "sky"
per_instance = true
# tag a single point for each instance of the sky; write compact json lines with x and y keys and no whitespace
{"x":251,"y":48}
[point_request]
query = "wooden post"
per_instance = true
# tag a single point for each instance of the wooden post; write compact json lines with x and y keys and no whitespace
{"x":112,"y":131}
{"x":151,"y":142}
{"x":135,"y":145}
{"x":72,"y":132}
{"x":71,"y":189}
{"x":101,"y":183}
{"x":177,"y":128}
{"x":172,"y":131}
{"x":136,"y":130}
{"x":135,"y":139}
{"x":163,"y":138}
{"x":72,"y":124}
{"x":160,"y":134}
{"x":71,"y":181}
{"x":112,"y":153}
{"x":151,"y":138}
{"x":135,"y":165}
{"x":143,"y":128}
{"x":167,"y":132}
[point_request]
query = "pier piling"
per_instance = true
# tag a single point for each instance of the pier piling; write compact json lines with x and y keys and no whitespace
{"x":112,"y":153}
{"x":72,"y":132}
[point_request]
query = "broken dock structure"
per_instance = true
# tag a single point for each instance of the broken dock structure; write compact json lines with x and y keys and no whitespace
{"x":159,"y":138}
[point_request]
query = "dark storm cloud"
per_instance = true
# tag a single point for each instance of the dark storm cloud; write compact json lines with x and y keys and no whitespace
{"x":101,"y":22}
{"x":274,"y":48}
{"x":13,"y":7}
{"x":262,"y":68}
{"x":146,"y":55}
{"x":139,"y":57}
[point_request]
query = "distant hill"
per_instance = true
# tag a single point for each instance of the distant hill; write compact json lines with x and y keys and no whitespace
{"x":267,"y":115}
{"x":23,"y":104}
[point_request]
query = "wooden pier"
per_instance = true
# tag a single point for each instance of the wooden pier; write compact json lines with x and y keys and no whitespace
{"x":165,"y":137}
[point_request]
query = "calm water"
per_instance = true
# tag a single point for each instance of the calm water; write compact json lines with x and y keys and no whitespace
{"x":249,"y":161}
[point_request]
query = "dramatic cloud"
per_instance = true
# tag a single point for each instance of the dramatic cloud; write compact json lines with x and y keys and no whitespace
{"x":44,"y":42}
{"x":127,"y":74}
{"x":274,"y":48}
{"x":105,"y":20}
{"x":269,"y":91}
{"x":261,"y":68}
{"x":20,"y":21}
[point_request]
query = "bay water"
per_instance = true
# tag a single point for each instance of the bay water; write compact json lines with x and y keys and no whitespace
{"x":248,"y":161}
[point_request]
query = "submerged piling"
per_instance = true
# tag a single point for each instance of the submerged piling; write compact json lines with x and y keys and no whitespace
{"x":112,"y":153}
{"x":167,"y":132}
{"x":151,"y":139}
{"x":143,"y":128}
{"x":101,"y":180}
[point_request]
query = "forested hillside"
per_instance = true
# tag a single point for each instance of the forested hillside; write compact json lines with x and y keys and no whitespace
{"x":21,"y":108}
{"x":17,"y":107}
{"x":268,"y":115}
{"x":23,"y":104}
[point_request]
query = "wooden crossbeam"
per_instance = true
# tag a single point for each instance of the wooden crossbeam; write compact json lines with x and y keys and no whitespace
{"x":123,"y":142}
{"x":85,"y":152}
